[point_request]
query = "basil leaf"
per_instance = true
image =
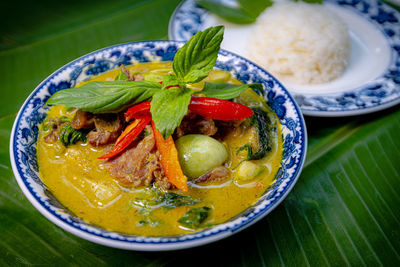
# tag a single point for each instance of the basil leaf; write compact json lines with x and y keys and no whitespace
{"x":195,"y":217}
{"x":166,"y":200}
{"x":194,"y":61}
{"x":168,"y":107}
{"x":170,"y":80}
{"x":228,"y":13}
{"x":246,"y":11}
{"x":105,"y":97}
{"x":312,"y":1}
{"x":227,"y":91}
{"x":69,"y":135}
{"x":255,"y":7}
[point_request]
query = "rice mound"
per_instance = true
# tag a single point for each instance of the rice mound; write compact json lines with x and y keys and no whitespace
{"x":301,"y":43}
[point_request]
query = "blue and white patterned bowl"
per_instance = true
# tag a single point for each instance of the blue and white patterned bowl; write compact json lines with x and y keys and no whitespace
{"x":25,"y":131}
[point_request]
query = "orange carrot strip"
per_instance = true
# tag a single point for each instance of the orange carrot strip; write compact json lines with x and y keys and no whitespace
{"x":169,"y":160}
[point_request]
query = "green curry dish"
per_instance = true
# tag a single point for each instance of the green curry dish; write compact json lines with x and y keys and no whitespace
{"x":195,"y":217}
{"x":263,"y":125}
{"x":69,"y":135}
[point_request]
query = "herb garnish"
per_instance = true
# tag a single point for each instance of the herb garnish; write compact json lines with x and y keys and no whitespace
{"x":244,"y":12}
{"x":167,"y":200}
{"x":170,"y":100}
{"x":69,"y":135}
{"x":195,"y":217}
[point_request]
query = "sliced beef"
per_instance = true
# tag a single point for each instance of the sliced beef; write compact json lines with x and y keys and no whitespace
{"x":196,"y":124}
{"x":139,"y":165}
{"x":217,"y":174}
{"x":224,"y":127}
{"x":108,"y":128}
{"x":82,"y":120}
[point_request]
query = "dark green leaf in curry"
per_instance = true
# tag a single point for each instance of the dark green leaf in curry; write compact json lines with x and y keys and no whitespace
{"x":195,"y":217}
{"x":69,"y":135}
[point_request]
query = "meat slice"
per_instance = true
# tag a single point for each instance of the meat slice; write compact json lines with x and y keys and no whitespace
{"x":139,"y":165}
{"x":82,"y":120}
{"x":217,"y":174}
{"x":108,"y":129}
{"x":196,"y":124}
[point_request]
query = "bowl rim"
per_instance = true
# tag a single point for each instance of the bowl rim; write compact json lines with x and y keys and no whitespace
{"x":156,"y":246}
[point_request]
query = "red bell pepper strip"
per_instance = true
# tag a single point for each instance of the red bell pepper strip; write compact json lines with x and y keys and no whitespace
{"x":127,"y":136}
{"x":208,"y":107}
{"x":219,"y":109}
{"x":169,"y":160}
{"x":140,"y":110}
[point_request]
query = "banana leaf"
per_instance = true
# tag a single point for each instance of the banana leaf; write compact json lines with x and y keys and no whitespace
{"x":344,"y":210}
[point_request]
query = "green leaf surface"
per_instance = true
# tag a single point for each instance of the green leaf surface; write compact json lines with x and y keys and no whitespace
{"x":168,"y":108}
{"x":194,"y":61}
{"x":227,"y":91}
{"x":344,"y":209}
{"x":107,"y":96}
{"x":244,"y":12}
{"x":228,"y":13}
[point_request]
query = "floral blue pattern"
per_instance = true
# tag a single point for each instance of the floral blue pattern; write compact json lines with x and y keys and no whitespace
{"x":25,"y":131}
{"x":384,"y":91}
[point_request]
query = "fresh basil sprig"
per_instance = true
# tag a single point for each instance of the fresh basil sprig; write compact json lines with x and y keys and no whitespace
{"x":105,"y":97}
{"x":194,"y":61}
{"x":170,"y":100}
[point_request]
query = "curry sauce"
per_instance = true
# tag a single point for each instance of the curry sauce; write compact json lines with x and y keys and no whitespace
{"x":80,"y":181}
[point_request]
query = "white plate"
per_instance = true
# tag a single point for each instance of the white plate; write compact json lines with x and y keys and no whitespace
{"x":371,"y":81}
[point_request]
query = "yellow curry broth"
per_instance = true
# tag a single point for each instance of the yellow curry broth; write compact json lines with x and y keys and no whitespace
{"x":79,"y":181}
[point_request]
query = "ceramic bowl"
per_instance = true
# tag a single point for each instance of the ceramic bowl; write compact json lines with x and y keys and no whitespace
{"x":25,"y":131}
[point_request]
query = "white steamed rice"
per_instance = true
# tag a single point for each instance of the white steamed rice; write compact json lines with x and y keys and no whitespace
{"x":301,"y":43}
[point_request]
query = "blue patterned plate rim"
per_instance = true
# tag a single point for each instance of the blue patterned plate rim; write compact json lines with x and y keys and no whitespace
{"x":380,"y":93}
{"x":24,"y":134}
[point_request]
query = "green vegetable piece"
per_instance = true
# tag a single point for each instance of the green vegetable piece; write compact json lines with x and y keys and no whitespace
{"x":227,"y":91}
{"x":167,"y":200}
{"x":218,"y":76}
{"x":173,"y":200}
{"x":106,"y":96}
{"x":199,"y":153}
{"x":195,"y":217}
{"x":248,"y":171}
{"x":262,"y":123}
{"x":168,"y":108}
{"x":312,"y":1}
{"x":244,"y":13}
{"x":64,"y":119}
{"x":194,"y":61}
{"x":69,"y":135}
{"x":228,"y":13}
